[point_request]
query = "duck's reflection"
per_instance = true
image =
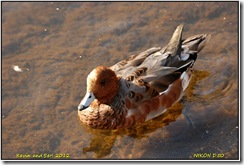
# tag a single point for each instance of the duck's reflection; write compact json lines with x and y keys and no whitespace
{"x":103,"y":140}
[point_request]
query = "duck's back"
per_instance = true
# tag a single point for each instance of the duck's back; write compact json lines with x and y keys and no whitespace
{"x":160,"y":67}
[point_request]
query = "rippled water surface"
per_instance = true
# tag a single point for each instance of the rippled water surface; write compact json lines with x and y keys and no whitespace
{"x":48,"y":49}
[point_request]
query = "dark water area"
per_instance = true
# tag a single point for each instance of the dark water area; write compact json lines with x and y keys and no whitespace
{"x":49,"y":48}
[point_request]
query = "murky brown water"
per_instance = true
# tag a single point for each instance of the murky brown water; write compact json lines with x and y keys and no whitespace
{"x":56,"y":45}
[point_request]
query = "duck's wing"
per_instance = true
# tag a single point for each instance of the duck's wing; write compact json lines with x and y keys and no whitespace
{"x":127,"y":66}
{"x":173,"y":59}
{"x":150,"y":58}
{"x":157,"y":68}
{"x":161,"y":71}
{"x":167,"y":65}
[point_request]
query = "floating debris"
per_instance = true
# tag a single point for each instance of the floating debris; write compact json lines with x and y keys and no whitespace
{"x":16,"y":68}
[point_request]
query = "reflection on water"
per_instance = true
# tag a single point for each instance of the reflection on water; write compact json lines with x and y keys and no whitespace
{"x":103,"y":141}
{"x":48,"y":49}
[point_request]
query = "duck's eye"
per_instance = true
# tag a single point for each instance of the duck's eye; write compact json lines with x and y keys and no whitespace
{"x":102,"y":82}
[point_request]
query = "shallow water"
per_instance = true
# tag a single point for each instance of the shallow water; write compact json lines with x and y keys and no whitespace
{"x":56,"y":44}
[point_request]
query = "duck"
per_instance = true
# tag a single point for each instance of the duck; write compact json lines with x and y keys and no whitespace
{"x":141,"y":87}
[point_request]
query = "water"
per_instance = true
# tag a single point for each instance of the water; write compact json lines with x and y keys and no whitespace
{"x":48,"y":49}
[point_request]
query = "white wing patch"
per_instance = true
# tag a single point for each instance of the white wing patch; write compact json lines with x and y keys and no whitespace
{"x":184,"y":57}
{"x":185,"y":80}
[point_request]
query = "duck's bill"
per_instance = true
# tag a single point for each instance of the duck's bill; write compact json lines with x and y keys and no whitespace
{"x":86,"y":101}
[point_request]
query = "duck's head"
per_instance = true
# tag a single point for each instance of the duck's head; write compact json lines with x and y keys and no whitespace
{"x":102,"y":84}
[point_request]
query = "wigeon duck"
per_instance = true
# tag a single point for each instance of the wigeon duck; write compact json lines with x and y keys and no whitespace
{"x":141,"y":87}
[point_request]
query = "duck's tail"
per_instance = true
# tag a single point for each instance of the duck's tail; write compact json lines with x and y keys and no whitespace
{"x":190,"y":48}
{"x":196,"y":42}
{"x":193,"y":45}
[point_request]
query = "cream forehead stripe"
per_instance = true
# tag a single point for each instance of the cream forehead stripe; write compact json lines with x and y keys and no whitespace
{"x":92,"y":75}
